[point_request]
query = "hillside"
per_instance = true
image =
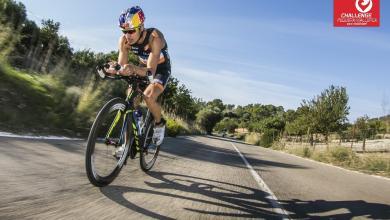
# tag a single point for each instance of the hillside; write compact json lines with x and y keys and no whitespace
{"x":28,"y":102}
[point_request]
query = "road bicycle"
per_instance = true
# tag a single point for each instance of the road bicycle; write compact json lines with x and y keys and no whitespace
{"x":120,"y":123}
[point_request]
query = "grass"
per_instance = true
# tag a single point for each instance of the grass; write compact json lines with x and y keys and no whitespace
{"x":41,"y":104}
{"x":372,"y":163}
{"x":24,"y":99}
{"x":184,"y":127}
{"x":375,"y":163}
{"x":30,"y":102}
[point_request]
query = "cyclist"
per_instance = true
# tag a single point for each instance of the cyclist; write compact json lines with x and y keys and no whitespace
{"x":152,"y":50}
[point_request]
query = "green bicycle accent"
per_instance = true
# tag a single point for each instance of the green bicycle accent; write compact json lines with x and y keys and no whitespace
{"x":117,"y":117}
{"x":136,"y":135}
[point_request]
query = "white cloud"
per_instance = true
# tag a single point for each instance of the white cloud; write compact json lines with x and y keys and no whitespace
{"x":232,"y":88}
{"x":325,"y":31}
{"x":96,"y":39}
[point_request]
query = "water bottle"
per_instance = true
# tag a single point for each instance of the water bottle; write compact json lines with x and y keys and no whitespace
{"x":138,"y":115}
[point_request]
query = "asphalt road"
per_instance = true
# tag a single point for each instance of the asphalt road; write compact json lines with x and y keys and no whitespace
{"x":195,"y":177}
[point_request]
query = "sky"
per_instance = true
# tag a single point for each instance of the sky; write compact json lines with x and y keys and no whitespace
{"x":276,"y":52}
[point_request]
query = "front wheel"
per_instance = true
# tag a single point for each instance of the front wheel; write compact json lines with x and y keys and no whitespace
{"x":149,"y":150}
{"x":109,"y":132}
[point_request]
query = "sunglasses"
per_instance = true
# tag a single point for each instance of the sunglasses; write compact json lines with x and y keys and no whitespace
{"x":132,"y":31}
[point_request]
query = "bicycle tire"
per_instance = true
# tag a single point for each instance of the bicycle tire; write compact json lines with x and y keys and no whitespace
{"x":146,"y":141}
{"x":112,"y":106}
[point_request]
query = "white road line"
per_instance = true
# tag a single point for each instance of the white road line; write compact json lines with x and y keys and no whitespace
{"x":271,"y":196}
{"x":6,"y":134}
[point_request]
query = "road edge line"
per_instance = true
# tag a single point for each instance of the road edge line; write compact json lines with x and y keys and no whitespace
{"x":277,"y":207}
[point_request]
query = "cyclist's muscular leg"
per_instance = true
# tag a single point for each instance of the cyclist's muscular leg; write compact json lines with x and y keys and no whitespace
{"x":152,"y":92}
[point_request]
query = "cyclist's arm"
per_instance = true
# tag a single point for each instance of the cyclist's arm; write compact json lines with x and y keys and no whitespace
{"x":123,"y":51}
{"x":122,"y":57}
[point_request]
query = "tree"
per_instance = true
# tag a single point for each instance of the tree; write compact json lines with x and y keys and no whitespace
{"x":208,"y":117}
{"x":217,"y":103}
{"x":23,"y":55}
{"x":362,"y":126}
{"x":12,"y":13}
{"x":12,"y":18}
{"x":328,"y":111}
{"x":375,"y":126}
{"x":290,"y":115}
{"x":276,"y":123}
{"x":49,"y":37}
{"x":178,"y":101}
{"x":297,"y":127}
{"x":229,"y":114}
{"x":229,"y":107}
{"x":227,"y":124}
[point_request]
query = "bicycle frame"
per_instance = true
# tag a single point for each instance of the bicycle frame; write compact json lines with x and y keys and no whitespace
{"x":129,"y":109}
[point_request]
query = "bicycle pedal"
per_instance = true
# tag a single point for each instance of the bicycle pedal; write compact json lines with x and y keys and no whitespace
{"x":111,"y":142}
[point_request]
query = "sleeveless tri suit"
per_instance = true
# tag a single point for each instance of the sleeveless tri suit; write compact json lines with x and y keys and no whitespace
{"x":163,"y":69}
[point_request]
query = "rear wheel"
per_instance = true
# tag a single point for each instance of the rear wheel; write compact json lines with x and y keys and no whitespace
{"x":149,"y":150}
{"x":109,"y":132}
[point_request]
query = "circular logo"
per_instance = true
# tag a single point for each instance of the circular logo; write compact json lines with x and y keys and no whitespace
{"x":363,"y":6}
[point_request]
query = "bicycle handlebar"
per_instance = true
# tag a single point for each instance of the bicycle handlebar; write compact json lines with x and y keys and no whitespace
{"x":131,"y":78}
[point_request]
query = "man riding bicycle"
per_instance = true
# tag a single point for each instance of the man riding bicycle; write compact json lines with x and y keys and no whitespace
{"x":152,"y":50}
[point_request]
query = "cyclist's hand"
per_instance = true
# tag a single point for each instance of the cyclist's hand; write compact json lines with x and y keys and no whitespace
{"x":113,"y":68}
{"x":127,"y":70}
{"x":101,"y":70}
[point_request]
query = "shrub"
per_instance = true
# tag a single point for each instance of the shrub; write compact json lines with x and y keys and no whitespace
{"x":240,"y":136}
{"x":252,"y":138}
{"x":321,"y":156}
{"x":268,"y":137}
{"x":226,"y":124}
{"x":173,"y":128}
{"x":277,"y":145}
{"x":187,"y":127}
{"x":302,"y":151}
{"x":377,"y":164}
{"x":379,"y":136}
{"x":341,"y":154}
{"x":307,"y":152}
{"x":207,"y":118}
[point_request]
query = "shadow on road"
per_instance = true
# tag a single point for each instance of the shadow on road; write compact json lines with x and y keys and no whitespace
{"x":327,"y":209}
{"x":219,"y":196}
{"x":188,"y":148}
